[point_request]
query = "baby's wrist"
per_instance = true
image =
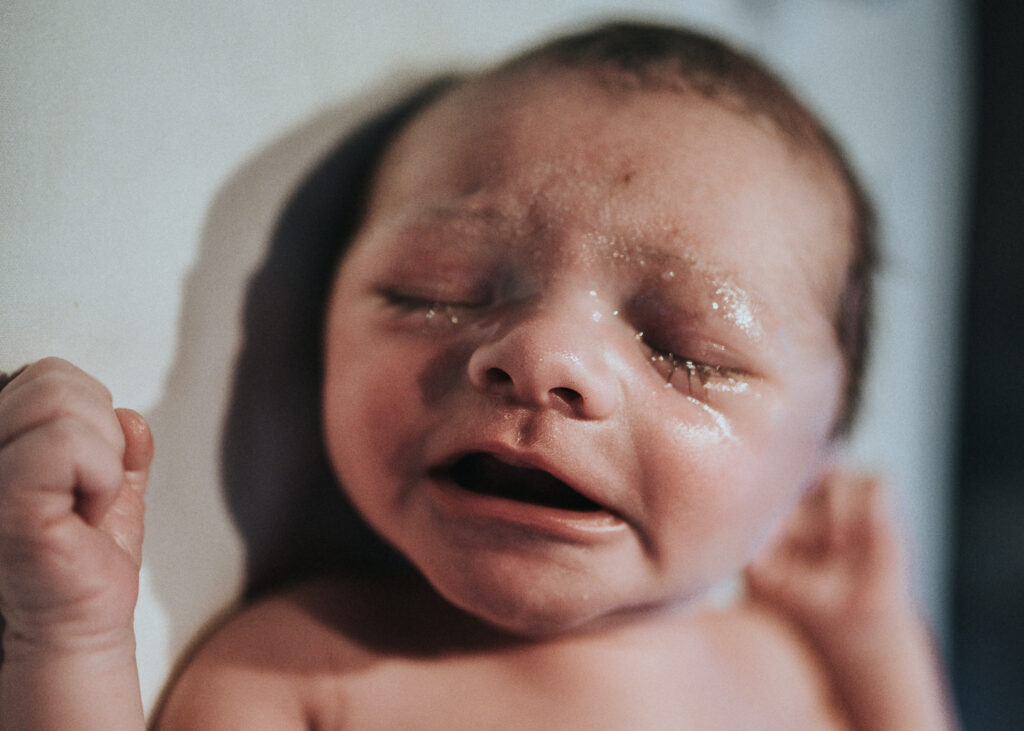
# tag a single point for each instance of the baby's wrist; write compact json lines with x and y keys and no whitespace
{"x":48,"y":681}
{"x":45,"y":644}
{"x":870,"y":639}
{"x":889,"y":674}
{"x":880,"y":618}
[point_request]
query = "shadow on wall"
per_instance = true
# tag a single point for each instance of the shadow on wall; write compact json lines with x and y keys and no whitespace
{"x":241,"y":409}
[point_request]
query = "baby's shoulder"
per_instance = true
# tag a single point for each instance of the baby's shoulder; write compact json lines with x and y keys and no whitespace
{"x":774,"y":664}
{"x":263,"y":663}
{"x":287,"y":660}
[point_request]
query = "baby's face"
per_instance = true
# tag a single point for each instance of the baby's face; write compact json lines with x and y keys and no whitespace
{"x":580,"y":358}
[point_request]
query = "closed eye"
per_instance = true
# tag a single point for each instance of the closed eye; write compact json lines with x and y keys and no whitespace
{"x":427,"y":306}
{"x":416,"y":301}
{"x":690,"y":376}
{"x":406,"y":302}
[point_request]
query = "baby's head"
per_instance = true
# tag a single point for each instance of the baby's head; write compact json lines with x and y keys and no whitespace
{"x":599,"y":329}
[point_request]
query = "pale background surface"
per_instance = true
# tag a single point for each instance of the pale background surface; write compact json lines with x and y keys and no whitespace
{"x":146,"y":150}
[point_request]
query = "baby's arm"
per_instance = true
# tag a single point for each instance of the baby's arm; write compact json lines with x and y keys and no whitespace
{"x":838,"y":572}
{"x":72,"y":474}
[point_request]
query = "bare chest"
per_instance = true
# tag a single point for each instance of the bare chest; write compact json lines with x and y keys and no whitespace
{"x":472,"y":693}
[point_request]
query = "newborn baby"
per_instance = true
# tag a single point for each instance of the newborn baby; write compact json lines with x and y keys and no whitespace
{"x":591,"y":351}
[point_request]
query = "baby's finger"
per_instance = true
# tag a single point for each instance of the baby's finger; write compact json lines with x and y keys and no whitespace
{"x":831,"y":516}
{"x":61,"y":467}
{"x":764,"y":577}
{"x":805,"y":532}
{"x":138,"y":453}
{"x":875,"y":531}
{"x":49,"y":366}
{"x":782,"y":581}
{"x":53,"y":388}
{"x":860,"y":514}
{"x":124,"y":522}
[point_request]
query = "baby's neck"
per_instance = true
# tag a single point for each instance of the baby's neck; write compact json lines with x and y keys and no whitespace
{"x":402,"y":614}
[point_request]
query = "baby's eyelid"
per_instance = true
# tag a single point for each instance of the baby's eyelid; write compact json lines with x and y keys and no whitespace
{"x":414,"y":299}
{"x":701,"y":350}
{"x":670,"y":364}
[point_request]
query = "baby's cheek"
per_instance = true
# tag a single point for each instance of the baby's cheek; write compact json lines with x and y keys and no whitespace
{"x":729,"y":485}
{"x":691,"y":463}
{"x":441,"y":370}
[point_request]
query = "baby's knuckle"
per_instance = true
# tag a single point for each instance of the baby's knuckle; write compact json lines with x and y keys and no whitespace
{"x":48,"y":368}
{"x":50,"y":391}
{"x":18,"y":523}
{"x":64,"y":398}
{"x":17,"y":462}
{"x":61,"y":434}
{"x":109,"y":468}
{"x":57,"y":378}
{"x":51,"y":363}
{"x":20,"y":515}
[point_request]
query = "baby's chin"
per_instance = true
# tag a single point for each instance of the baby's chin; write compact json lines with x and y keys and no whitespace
{"x":532,"y":623}
{"x":547,"y":616}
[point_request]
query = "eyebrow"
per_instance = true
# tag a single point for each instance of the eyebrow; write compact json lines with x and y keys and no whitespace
{"x":730,"y":299}
{"x":690,"y":265}
{"x":484,"y":213}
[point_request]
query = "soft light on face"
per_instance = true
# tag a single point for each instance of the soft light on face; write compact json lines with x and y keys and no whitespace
{"x":578,"y":363}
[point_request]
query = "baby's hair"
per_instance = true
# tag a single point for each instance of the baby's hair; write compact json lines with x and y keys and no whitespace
{"x":647,"y":56}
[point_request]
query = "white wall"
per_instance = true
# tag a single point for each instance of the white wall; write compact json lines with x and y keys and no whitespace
{"x":145,"y":149}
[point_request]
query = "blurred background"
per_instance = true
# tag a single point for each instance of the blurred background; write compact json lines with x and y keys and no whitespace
{"x":987,"y":629}
{"x":146,"y":150}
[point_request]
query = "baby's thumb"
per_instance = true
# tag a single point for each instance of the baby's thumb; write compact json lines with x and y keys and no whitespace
{"x":138,"y":439}
{"x":125,"y":519}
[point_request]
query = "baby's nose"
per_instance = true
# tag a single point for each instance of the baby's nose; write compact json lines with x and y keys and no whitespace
{"x":549,"y":358}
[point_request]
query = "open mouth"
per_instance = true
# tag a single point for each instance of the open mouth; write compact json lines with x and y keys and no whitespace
{"x":485,"y":474}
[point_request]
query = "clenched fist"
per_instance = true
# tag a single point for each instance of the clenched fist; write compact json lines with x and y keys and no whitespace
{"x":72,"y":475}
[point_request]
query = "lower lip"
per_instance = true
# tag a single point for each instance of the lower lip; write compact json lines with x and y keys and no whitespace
{"x":567,"y":525}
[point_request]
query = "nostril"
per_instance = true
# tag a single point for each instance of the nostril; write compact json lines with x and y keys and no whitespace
{"x":496,"y":376}
{"x":519,"y":371}
{"x":567,"y":395}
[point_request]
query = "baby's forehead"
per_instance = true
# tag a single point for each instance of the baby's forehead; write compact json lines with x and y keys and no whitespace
{"x":542,"y":102}
{"x":565,"y":136}
{"x":519,"y":95}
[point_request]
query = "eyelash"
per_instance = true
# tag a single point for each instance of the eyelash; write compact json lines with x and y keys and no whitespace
{"x":404,"y":302}
{"x":408,"y":304}
{"x":669,"y":364}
